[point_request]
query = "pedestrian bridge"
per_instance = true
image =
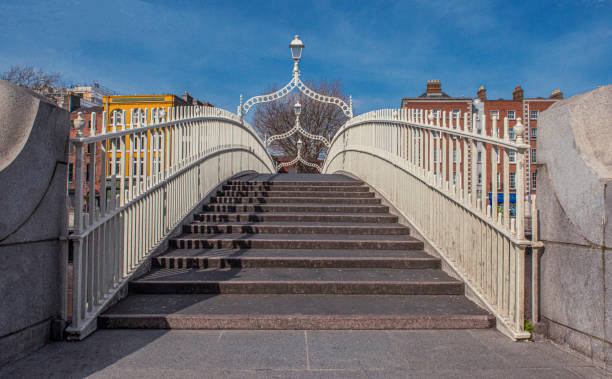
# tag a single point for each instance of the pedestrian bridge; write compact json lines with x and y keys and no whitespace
{"x":180,"y":220}
{"x":192,"y":201}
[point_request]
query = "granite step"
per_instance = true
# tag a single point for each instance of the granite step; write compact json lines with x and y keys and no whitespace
{"x":292,"y":200}
{"x":310,"y":194}
{"x":296,"y":241}
{"x":298,"y":208}
{"x":296,"y":228}
{"x":303,"y":188}
{"x":302,"y":312}
{"x":304,"y":217}
{"x":345,"y":281}
{"x":295,"y":258}
{"x":296,"y":183}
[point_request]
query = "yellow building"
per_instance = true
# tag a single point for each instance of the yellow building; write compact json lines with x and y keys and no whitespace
{"x":138,"y":110}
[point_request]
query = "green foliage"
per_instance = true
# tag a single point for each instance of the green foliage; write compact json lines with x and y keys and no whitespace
{"x":528,"y":327}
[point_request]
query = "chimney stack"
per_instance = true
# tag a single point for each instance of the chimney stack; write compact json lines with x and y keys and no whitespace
{"x":517,"y":95}
{"x":434,"y":88}
{"x":556,"y":94}
{"x":187,"y":97}
{"x":482,"y":94}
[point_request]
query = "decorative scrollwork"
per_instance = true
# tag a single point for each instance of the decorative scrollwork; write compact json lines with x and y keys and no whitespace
{"x":295,"y":129}
{"x":347,"y":109}
{"x":296,"y":160}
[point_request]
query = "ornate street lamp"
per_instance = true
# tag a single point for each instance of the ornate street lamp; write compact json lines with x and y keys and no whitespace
{"x":299,"y":144}
{"x":298,"y":108}
{"x":296,"y":51}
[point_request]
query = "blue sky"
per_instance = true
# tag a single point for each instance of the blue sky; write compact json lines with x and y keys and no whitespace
{"x":381,"y":51}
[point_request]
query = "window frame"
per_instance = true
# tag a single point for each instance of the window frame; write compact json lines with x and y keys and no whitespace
{"x":513,"y":117}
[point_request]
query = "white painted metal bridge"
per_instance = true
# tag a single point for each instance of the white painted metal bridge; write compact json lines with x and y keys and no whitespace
{"x":162,"y":166}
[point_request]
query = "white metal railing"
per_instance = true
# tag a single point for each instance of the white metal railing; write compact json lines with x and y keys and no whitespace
{"x":428,"y":168}
{"x":154,"y":171}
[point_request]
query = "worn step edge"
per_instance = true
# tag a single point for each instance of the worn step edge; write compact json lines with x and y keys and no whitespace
{"x":293,"y":322}
{"x":269,"y":216}
{"x":289,"y":208}
{"x":284,"y":200}
{"x":297,"y":183}
{"x":259,"y":194}
{"x":351,"y":189}
{"x":208,"y":243}
{"x":295,"y":229}
{"x":295,"y":262}
{"x":298,"y":287}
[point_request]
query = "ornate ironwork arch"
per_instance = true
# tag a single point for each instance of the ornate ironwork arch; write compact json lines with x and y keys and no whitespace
{"x":296,"y":51}
{"x":347,"y":109}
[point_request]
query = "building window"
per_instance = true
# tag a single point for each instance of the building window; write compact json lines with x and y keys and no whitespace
{"x":116,"y":117}
{"x":511,"y":115}
{"x":511,"y":156}
{"x":497,"y":154}
{"x":456,"y":113}
{"x":138,"y":117}
{"x":436,"y":113}
{"x":454,"y":155}
{"x":512,"y":177}
{"x":435,"y":154}
{"x":479,"y":179}
{"x":479,"y":157}
{"x":533,"y":115}
{"x":495,"y":115}
{"x":534,"y":175}
{"x":534,"y":133}
{"x":70,"y":171}
{"x":499,"y":183}
{"x":511,"y":134}
{"x":533,"y":155}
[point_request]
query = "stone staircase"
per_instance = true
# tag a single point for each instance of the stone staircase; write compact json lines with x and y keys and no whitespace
{"x":296,"y":252}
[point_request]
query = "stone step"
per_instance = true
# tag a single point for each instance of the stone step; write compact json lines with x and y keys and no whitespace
{"x":296,"y":208}
{"x":354,"y":195}
{"x":201,"y":311}
{"x":292,"y":200}
{"x":346,"y":281}
{"x":303,"y":188}
{"x":296,"y":241}
{"x":296,"y":228}
{"x":296,"y":183}
{"x":295,"y":258}
{"x":269,"y":217}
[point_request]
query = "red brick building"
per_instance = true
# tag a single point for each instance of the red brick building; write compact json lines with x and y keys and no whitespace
{"x":527,"y":109}
{"x":434,"y":99}
{"x":87,"y":115}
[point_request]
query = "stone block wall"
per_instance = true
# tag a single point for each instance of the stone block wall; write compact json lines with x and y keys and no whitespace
{"x":33,"y":153}
{"x":574,"y":200}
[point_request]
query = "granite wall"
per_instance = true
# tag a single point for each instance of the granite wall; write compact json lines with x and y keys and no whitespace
{"x":574,"y":200}
{"x":33,"y":144}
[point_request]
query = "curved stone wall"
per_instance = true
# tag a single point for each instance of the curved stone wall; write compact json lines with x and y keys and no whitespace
{"x":33,"y":154}
{"x":574,"y":199}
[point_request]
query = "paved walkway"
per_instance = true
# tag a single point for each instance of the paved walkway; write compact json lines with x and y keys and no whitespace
{"x":300,"y":354}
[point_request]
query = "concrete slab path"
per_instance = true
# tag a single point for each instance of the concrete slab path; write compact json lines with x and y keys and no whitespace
{"x":301,"y":354}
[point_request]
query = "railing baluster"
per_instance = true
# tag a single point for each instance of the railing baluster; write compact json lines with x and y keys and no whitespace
{"x":484,"y":247}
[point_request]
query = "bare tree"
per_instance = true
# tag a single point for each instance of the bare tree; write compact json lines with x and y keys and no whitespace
{"x":39,"y":81}
{"x":317,"y":118}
